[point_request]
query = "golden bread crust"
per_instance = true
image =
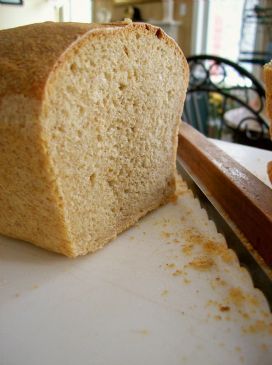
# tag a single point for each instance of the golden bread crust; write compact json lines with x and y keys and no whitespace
{"x":30,"y":53}
{"x":32,"y":58}
{"x":268,"y":85}
{"x":268,"y":91}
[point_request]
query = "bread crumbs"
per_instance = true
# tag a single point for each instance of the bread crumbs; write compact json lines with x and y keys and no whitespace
{"x":177,"y":273}
{"x":237,"y":296}
{"x":202,"y":263}
{"x":210,"y":247}
{"x":218,"y":283}
{"x":264,"y":347}
{"x":166,"y":234}
{"x":164,"y":293}
{"x":175,"y":240}
{"x":258,"y":326}
{"x":187,"y":248}
{"x":224,"y":308}
{"x":143,"y":332}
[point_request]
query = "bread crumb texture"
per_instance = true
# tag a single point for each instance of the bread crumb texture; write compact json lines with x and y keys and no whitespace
{"x":88,"y":130}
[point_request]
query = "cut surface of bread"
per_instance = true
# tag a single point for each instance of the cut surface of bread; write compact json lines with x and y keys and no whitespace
{"x":89,"y":116}
{"x":268,"y":91}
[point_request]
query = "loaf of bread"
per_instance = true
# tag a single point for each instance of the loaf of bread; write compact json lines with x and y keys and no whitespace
{"x":89,"y":116}
{"x":268,"y":87}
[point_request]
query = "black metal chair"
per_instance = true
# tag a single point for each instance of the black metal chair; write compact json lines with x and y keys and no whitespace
{"x":225,"y":101}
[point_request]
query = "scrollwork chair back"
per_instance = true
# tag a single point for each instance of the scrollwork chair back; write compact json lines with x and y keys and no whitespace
{"x":225,"y":101}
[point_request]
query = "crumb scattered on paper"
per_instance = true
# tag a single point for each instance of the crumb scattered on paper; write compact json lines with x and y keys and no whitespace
{"x":258,"y":326}
{"x":166,"y":234}
{"x":164,"y":293}
{"x":264,"y":347}
{"x":224,"y":308}
{"x":177,"y":273}
{"x":142,"y":332}
{"x":197,"y":249}
{"x":187,"y":248}
{"x":202,"y":263}
{"x":236,"y":296}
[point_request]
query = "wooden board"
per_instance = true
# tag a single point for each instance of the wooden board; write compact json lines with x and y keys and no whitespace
{"x":245,"y":199}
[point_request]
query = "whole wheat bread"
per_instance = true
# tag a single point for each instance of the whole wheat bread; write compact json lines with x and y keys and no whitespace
{"x":89,"y":117}
{"x":268,"y":86}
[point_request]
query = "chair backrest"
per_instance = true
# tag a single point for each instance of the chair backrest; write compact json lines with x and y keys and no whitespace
{"x":225,"y":101}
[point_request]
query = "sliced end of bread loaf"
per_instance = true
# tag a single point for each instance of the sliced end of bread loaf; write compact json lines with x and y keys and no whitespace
{"x":268,"y":92}
{"x":268,"y":87}
{"x":108,"y":128}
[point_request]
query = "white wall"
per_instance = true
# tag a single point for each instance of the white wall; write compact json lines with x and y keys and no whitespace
{"x":224,"y":28}
{"x":81,"y":11}
{"x":35,"y":11}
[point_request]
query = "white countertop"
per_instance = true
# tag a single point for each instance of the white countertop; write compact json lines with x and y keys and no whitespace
{"x":143,"y":299}
{"x":253,"y":159}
